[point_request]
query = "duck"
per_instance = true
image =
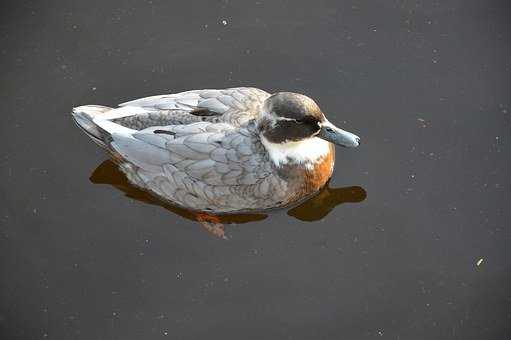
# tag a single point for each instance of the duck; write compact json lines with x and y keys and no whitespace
{"x":220,"y":150}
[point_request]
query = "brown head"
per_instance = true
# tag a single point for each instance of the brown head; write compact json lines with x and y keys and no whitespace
{"x":294,"y":129}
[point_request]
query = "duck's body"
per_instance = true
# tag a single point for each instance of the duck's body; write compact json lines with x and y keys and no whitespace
{"x":219,"y":150}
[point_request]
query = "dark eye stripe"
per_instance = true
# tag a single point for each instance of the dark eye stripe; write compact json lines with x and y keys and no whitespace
{"x":308,"y":120}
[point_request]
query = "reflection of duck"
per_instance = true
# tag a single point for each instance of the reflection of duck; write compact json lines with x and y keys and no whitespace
{"x":312,"y":209}
{"x":231,"y":150}
{"x":325,"y":201}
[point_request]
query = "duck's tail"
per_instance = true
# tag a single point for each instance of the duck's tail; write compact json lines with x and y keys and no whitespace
{"x":84,"y":118}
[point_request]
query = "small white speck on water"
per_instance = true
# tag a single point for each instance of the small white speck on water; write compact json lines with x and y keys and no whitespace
{"x":179,"y":275}
{"x":479,"y":262}
{"x":165,"y":333}
{"x":94,"y":88}
{"x":224,"y":22}
{"x":422,"y":121}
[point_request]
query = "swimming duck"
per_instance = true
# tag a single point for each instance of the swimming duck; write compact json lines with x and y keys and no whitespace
{"x":220,"y":151}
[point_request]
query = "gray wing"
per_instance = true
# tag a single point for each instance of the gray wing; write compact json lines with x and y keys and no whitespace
{"x":234,"y":105}
{"x":201,"y":166}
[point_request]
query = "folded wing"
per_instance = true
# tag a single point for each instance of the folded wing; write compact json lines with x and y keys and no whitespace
{"x":233,"y":105}
{"x":201,"y":164}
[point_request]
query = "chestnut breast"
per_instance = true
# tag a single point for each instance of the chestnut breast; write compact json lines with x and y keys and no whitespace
{"x":307,"y":180}
{"x":317,"y":176}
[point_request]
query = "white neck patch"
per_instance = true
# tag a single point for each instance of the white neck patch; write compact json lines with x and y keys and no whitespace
{"x":306,"y":151}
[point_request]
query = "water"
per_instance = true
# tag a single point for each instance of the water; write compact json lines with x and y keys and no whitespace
{"x":390,"y":250}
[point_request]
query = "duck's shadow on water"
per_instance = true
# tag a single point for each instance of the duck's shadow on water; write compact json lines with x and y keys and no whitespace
{"x":311,"y":210}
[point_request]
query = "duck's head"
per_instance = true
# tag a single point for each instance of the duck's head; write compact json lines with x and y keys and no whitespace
{"x":293,"y":127}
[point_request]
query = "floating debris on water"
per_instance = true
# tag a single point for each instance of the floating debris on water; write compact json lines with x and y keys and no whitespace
{"x":224,"y":22}
{"x":479,"y":262}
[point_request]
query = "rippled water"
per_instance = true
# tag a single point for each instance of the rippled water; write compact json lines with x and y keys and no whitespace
{"x":410,"y":240}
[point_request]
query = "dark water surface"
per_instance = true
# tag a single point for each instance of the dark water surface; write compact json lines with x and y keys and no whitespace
{"x":390,"y":250}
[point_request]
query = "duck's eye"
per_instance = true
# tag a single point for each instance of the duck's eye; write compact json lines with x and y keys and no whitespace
{"x":305,"y":120}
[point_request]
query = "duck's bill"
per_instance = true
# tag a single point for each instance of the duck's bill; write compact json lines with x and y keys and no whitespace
{"x":333,"y":134}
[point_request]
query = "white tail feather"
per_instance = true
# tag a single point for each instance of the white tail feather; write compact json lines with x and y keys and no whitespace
{"x":84,"y":116}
